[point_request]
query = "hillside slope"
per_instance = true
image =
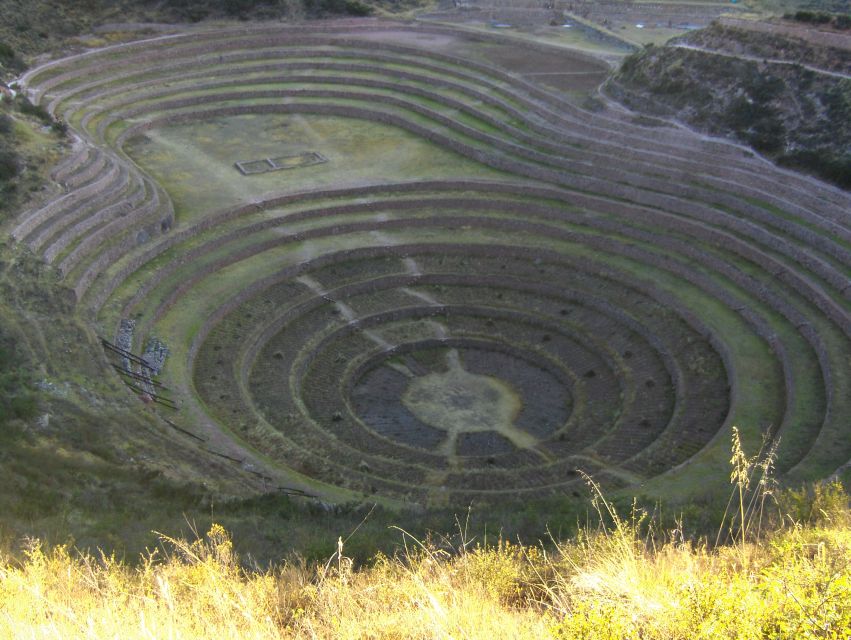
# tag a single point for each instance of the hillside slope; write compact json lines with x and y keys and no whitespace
{"x":786,"y":97}
{"x":32,"y":27}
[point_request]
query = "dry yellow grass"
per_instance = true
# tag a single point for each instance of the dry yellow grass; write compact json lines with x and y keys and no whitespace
{"x":794,"y":583}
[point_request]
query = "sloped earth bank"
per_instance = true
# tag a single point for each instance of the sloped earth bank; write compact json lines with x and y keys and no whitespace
{"x":787,"y":97}
{"x":484,"y":289}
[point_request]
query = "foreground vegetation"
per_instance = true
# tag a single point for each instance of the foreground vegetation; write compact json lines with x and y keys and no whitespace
{"x":623,"y":580}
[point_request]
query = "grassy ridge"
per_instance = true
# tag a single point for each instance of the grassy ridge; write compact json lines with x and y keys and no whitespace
{"x":615,"y":581}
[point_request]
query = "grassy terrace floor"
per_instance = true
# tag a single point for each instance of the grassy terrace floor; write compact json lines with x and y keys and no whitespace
{"x":194,"y":162}
{"x":473,"y":226}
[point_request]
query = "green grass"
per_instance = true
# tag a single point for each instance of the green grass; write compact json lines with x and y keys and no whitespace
{"x":751,"y":355}
{"x":759,"y":384}
{"x":194,"y":163}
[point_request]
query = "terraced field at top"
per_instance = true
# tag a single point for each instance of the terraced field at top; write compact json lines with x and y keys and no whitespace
{"x":435,"y":278}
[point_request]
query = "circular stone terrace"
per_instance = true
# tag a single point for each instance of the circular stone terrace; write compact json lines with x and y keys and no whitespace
{"x":403,"y":260}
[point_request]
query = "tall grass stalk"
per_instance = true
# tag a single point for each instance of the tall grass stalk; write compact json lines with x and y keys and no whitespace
{"x":753,"y":484}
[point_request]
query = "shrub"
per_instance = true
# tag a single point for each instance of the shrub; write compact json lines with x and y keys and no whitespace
{"x":355,"y":8}
{"x":326,"y":7}
{"x":8,"y":164}
{"x":767,"y":135}
{"x":824,"y":502}
{"x":16,"y":398}
{"x":60,"y":127}
{"x":836,"y":169}
{"x":763,"y":88}
{"x":631,"y":63}
{"x":237,"y":7}
{"x":10,"y":59}
{"x":812,"y":17}
{"x":36,"y":110}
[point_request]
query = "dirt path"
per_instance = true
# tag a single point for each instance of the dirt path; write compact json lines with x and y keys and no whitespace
{"x":741,"y":56}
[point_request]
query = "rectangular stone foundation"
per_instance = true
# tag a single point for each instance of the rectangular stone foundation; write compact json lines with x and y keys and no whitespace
{"x":305,"y":159}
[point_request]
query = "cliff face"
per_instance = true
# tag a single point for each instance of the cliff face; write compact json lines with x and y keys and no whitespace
{"x":787,"y":98}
